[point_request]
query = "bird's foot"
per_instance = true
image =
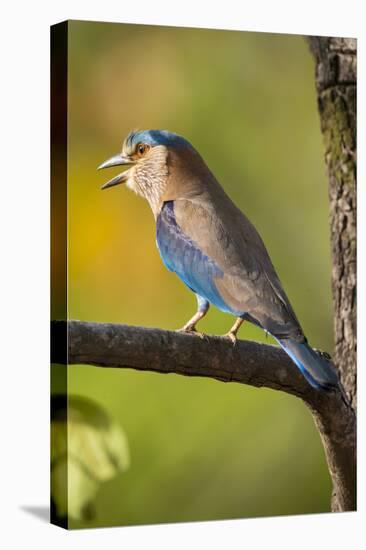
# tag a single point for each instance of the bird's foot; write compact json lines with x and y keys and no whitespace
{"x":231,"y":336}
{"x":192,"y":330}
{"x":234,"y":330}
{"x":324,"y":354}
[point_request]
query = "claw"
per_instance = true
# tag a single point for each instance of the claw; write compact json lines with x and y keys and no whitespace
{"x":324,"y":354}
{"x":191,"y":329}
{"x":187,"y":328}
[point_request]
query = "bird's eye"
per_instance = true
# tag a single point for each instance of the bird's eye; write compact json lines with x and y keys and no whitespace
{"x":142,"y":148}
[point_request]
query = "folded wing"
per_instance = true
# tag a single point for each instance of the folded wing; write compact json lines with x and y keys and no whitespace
{"x":220,"y":256}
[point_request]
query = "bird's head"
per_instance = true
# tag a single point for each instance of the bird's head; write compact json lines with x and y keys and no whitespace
{"x":158,"y":162}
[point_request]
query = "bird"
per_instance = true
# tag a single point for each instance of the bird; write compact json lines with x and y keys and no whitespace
{"x":205,"y":239}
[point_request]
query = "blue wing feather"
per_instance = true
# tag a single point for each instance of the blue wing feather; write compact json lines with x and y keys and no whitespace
{"x":183,"y":256}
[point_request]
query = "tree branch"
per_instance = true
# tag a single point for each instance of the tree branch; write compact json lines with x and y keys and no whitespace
{"x":260,"y":365}
{"x":123,"y":346}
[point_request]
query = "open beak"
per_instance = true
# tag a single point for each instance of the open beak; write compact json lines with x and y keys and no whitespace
{"x":117,"y":160}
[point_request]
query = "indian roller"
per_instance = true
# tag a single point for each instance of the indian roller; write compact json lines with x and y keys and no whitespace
{"x":211,"y":245}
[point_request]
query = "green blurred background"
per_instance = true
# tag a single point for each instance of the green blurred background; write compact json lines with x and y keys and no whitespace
{"x":200,"y":449}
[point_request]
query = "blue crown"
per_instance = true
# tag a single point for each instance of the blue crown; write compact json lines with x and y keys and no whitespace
{"x":155,"y":137}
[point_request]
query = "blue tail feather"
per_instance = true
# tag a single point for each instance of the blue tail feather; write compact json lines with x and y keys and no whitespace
{"x":316,"y":369}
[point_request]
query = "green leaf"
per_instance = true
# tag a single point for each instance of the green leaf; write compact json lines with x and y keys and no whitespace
{"x":87,"y":449}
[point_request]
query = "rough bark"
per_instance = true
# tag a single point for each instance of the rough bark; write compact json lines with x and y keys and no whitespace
{"x":336,"y":81}
{"x":122,"y":346}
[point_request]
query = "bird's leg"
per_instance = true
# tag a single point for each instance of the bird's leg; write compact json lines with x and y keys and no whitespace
{"x":190,"y":326}
{"x":234,"y":329}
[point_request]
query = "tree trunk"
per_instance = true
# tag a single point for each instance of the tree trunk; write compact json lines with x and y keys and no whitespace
{"x":336,"y":86}
{"x":336,"y":82}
